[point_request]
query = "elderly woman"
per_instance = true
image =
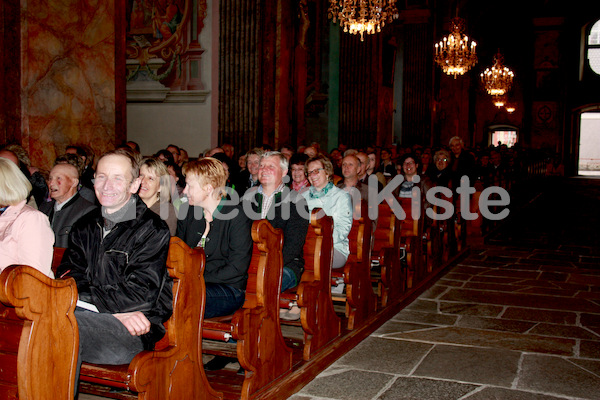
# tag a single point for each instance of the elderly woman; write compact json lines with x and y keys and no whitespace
{"x":441,"y":173}
{"x":299,"y":181}
{"x":25,"y":233}
{"x":226,"y":238}
{"x":155,"y":191}
{"x":334,"y":201}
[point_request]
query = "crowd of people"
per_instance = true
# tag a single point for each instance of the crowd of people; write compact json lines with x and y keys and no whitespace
{"x":115,"y":218}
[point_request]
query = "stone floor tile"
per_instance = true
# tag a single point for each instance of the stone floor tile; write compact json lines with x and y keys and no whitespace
{"x":554,"y":276}
{"x":556,"y":375}
{"x":395,"y":327}
{"x":584,"y":279}
{"x":496,"y":393}
{"x":433,"y":292}
{"x":590,"y":365}
{"x":385,"y":355}
{"x":493,"y":339}
{"x":549,"y":291}
{"x":496,"y":324}
{"x":447,"y":282}
{"x":423,"y":305}
{"x":519,"y":300}
{"x":470,"y":364}
{"x":345,"y":384}
{"x":426,"y":389}
{"x":512,"y":274}
{"x":467,"y":269}
{"x":589,"y":349}
{"x":425,"y":318}
{"x":494,"y":279}
{"x":484,"y":310}
{"x":530,"y":314}
{"x":567,"y":331}
{"x":457,"y":276}
{"x":496,"y":287}
{"x":590,"y":319}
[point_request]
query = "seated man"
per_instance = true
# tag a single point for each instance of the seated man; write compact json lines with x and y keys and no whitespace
{"x":351,"y":167}
{"x":269,"y":201}
{"x":117,"y":255}
{"x":67,"y":206}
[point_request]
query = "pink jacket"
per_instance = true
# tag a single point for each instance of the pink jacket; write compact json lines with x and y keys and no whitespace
{"x":26,"y":238}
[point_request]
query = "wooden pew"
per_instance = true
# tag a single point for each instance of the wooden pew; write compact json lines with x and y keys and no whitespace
{"x":319,"y":321}
{"x":360,"y":299}
{"x":174,"y":370}
{"x":387,"y":254}
{"x":39,"y":340}
{"x":260,"y":348}
{"x":412,"y":243}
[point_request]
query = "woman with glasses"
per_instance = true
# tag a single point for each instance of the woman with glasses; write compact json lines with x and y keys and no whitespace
{"x":334,"y":201}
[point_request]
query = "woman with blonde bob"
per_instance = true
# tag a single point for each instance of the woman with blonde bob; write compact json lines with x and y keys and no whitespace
{"x":155,"y":191}
{"x":25,"y":234}
{"x":222,"y":229}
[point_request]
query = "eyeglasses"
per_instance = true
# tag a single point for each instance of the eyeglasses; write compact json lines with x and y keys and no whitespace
{"x":315,"y":171}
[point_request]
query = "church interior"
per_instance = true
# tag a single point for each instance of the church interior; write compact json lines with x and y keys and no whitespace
{"x":514,"y":314}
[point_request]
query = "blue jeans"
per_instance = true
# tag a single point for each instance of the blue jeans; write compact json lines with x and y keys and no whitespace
{"x":288,"y":279}
{"x":222,"y":299}
{"x":103,"y":339}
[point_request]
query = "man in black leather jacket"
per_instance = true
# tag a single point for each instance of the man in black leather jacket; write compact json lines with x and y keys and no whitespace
{"x":117,"y":255}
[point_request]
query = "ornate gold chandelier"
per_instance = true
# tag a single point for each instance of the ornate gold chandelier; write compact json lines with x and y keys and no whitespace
{"x":454,"y":54}
{"x":362,"y":16}
{"x":498,"y":79}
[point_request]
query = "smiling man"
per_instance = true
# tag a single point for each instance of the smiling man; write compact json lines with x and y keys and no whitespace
{"x":117,"y":256}
{"x":274,"y":201}
{"x":67,"y":206}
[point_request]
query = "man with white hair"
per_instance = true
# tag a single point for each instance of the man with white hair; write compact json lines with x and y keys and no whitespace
{"x":67,"y":206}
{"x":269,"y":201}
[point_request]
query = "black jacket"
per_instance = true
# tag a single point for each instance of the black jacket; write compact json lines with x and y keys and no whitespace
{"x":62,"y":220}
{"x":229,"y":246}
{"x":294,"y":228}
{"x":126,"y":270}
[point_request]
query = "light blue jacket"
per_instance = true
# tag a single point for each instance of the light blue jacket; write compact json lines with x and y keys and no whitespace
{"x":337,"y":204}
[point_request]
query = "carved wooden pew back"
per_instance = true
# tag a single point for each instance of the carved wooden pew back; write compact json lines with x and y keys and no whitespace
{"x":39,"y":340}
{"x":260,"y":349}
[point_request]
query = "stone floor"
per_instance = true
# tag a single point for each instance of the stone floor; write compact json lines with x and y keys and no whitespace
{"x":518,"y":319}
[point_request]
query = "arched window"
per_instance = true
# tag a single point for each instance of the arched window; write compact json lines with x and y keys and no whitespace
{"x":593,"y":47}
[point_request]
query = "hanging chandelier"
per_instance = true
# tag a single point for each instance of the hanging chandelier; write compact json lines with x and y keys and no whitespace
{"x":454,"y":54}
{"x":362,"y":16}
{"x":498,"y":79}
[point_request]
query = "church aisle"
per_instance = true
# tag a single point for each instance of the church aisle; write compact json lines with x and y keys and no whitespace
{"x":518,"y":319}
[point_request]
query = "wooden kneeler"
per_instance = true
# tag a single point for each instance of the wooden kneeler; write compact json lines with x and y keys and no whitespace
{"x":39,"y":340}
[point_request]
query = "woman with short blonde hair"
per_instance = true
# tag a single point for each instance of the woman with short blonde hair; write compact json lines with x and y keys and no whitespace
{"x":155,"y":191}
{"x":25,"y":234}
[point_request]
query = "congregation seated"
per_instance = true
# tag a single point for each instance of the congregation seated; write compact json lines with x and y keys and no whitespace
{"x":334,"y":201}
{"x":25,"y":234}
{"x":155,"y":191}
{"x":117,"y":255}
{"x":67,"y":205}
{"x":285,"y":210}
{"x":462,"y":163}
